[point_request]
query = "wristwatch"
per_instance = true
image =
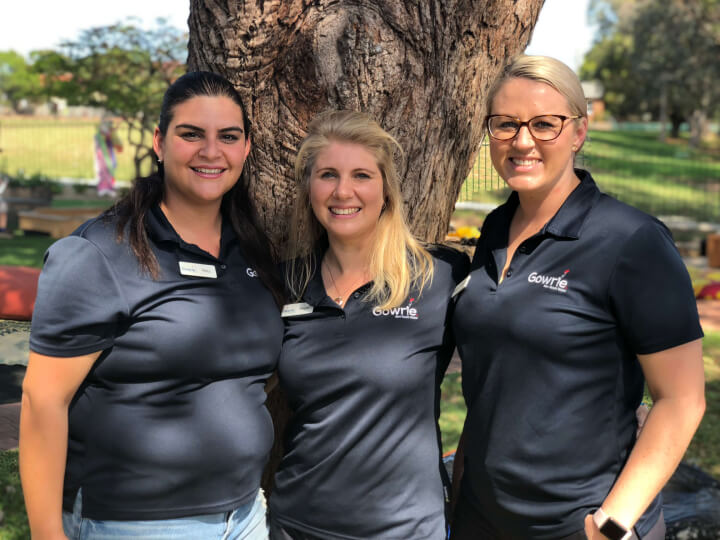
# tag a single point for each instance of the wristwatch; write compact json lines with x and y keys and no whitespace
{"x":610,"y":527}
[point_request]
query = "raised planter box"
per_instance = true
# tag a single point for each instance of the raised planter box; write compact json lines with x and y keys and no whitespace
{"x":57,"y":222}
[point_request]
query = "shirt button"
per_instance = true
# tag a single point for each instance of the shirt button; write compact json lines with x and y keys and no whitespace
{"x":223,"y":266}
{"x":522,"y":249}
{"x":356,"y":295}
{"x":508,"y":273}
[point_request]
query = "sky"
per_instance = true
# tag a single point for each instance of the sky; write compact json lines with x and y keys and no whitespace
{"x":562,"y":30}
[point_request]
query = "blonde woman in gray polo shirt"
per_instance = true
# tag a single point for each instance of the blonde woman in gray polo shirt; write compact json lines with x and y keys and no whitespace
{"x":365,"y":348}
{"x":574,"y":299}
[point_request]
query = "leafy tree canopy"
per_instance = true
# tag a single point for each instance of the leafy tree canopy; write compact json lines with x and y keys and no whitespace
{"x":122,"y":68}
{"x":657,"y":56}
{"x":18,"y":81}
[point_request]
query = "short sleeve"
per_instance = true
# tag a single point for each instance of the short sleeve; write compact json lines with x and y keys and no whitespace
{"x":459,"y":261}
{"x":79,"y":303}
{"x":651,"y":293}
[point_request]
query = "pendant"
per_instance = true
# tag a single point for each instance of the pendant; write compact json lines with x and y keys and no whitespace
{"x":338,"y":301}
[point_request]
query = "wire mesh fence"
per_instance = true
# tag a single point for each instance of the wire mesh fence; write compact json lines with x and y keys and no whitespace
{"x":630,"y":165}
{"x":55,"y":148}
{"x":678,"y":183}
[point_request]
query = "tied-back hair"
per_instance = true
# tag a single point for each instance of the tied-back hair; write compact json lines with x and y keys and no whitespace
{"x":397,"y":261}
{"x":237,"y":206}
{"x":544,"y":69}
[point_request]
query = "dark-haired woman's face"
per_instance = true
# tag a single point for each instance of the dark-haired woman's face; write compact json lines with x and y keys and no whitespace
{"x":203,"y":151}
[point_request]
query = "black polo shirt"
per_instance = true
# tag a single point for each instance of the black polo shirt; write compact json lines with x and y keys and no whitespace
{"x":170,"y":421}
{"x":362,"y":451}
{"x":550,"y":370}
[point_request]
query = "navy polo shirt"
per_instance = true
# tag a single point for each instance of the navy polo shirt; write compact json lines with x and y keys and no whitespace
{"x":549,"y":357}
{"x":362,"y":451}
{"x":170,"y":421}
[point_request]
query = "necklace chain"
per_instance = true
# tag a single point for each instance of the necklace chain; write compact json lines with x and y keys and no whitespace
{"x":339,"y":300}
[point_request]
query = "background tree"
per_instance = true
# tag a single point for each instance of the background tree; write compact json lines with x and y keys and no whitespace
{"x":121,"y":68}
{"x":18,"y":81}
{"x":421,"y":67}
{"x":659,"y":58}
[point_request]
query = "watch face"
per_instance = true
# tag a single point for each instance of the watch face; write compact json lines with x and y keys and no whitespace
{"x":613,"y":530}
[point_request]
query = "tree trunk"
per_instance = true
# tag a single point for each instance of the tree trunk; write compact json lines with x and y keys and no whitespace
{"x":663,"y":111}
{"x":420,"y":67}
{"x":676,"y":119}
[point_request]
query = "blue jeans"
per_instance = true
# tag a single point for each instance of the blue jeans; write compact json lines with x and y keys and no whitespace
{"x":244,"y":523}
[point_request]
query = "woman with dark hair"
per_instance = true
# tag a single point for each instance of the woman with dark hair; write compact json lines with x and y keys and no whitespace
{"x":155,"y":328}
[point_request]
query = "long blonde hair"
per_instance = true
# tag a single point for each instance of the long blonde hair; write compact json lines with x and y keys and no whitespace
{"x":397,"y":260}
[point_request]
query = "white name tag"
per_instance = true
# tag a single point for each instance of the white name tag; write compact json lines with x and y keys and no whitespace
{"x":197,"y":270}
{"x":293,"y":310}
{"x":461,"y":286}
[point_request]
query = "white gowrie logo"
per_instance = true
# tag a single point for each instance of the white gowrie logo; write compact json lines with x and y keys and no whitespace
{"x":405,"y":312}
{"x":250,"y":272}
{"x":558,"y":283}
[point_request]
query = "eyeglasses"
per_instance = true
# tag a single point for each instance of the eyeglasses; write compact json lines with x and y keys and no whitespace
{"x":543,"y":128}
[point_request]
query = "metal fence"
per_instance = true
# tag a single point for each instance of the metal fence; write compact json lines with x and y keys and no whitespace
{"x":659,"y":185}
{"x":56,"y":149}
{"x":676,"y":184}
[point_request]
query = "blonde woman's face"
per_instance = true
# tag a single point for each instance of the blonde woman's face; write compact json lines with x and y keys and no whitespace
{"x":346,"y":192}
{"x":529,"y":165}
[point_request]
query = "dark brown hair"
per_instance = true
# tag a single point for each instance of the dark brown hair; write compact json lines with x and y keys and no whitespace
{"x":237,"y":206}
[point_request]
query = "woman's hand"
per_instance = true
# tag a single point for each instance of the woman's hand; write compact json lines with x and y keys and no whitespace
{"x":641,"y":414}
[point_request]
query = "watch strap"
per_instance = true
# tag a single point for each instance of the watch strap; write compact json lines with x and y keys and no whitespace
{"x":610,"y":527}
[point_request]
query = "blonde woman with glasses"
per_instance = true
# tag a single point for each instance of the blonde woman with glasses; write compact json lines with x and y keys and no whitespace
{"x":574,"y":301}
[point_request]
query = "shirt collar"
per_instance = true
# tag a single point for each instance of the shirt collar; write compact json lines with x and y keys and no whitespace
{"x":315,"y":290}
{"x":568,"y":220}
{"x":161,"y":230}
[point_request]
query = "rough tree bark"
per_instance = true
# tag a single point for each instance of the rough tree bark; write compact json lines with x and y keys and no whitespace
{"x":421,"y":67}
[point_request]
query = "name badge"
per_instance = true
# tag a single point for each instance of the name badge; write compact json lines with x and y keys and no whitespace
{"x":197,"y":270}
{"x":293,"y":310}
{"x":461,"y":286}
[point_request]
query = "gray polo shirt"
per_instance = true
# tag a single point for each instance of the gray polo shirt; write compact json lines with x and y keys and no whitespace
{"x":362,"y":451}
{"x":170,"y":421}
{"x":550,"y":371}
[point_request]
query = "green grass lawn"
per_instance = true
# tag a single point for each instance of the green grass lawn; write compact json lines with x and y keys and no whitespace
{"x":13,"y":521}
{"x":24,"y":250}
{"x":659,"y":178}
{"x":56,"y":148}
